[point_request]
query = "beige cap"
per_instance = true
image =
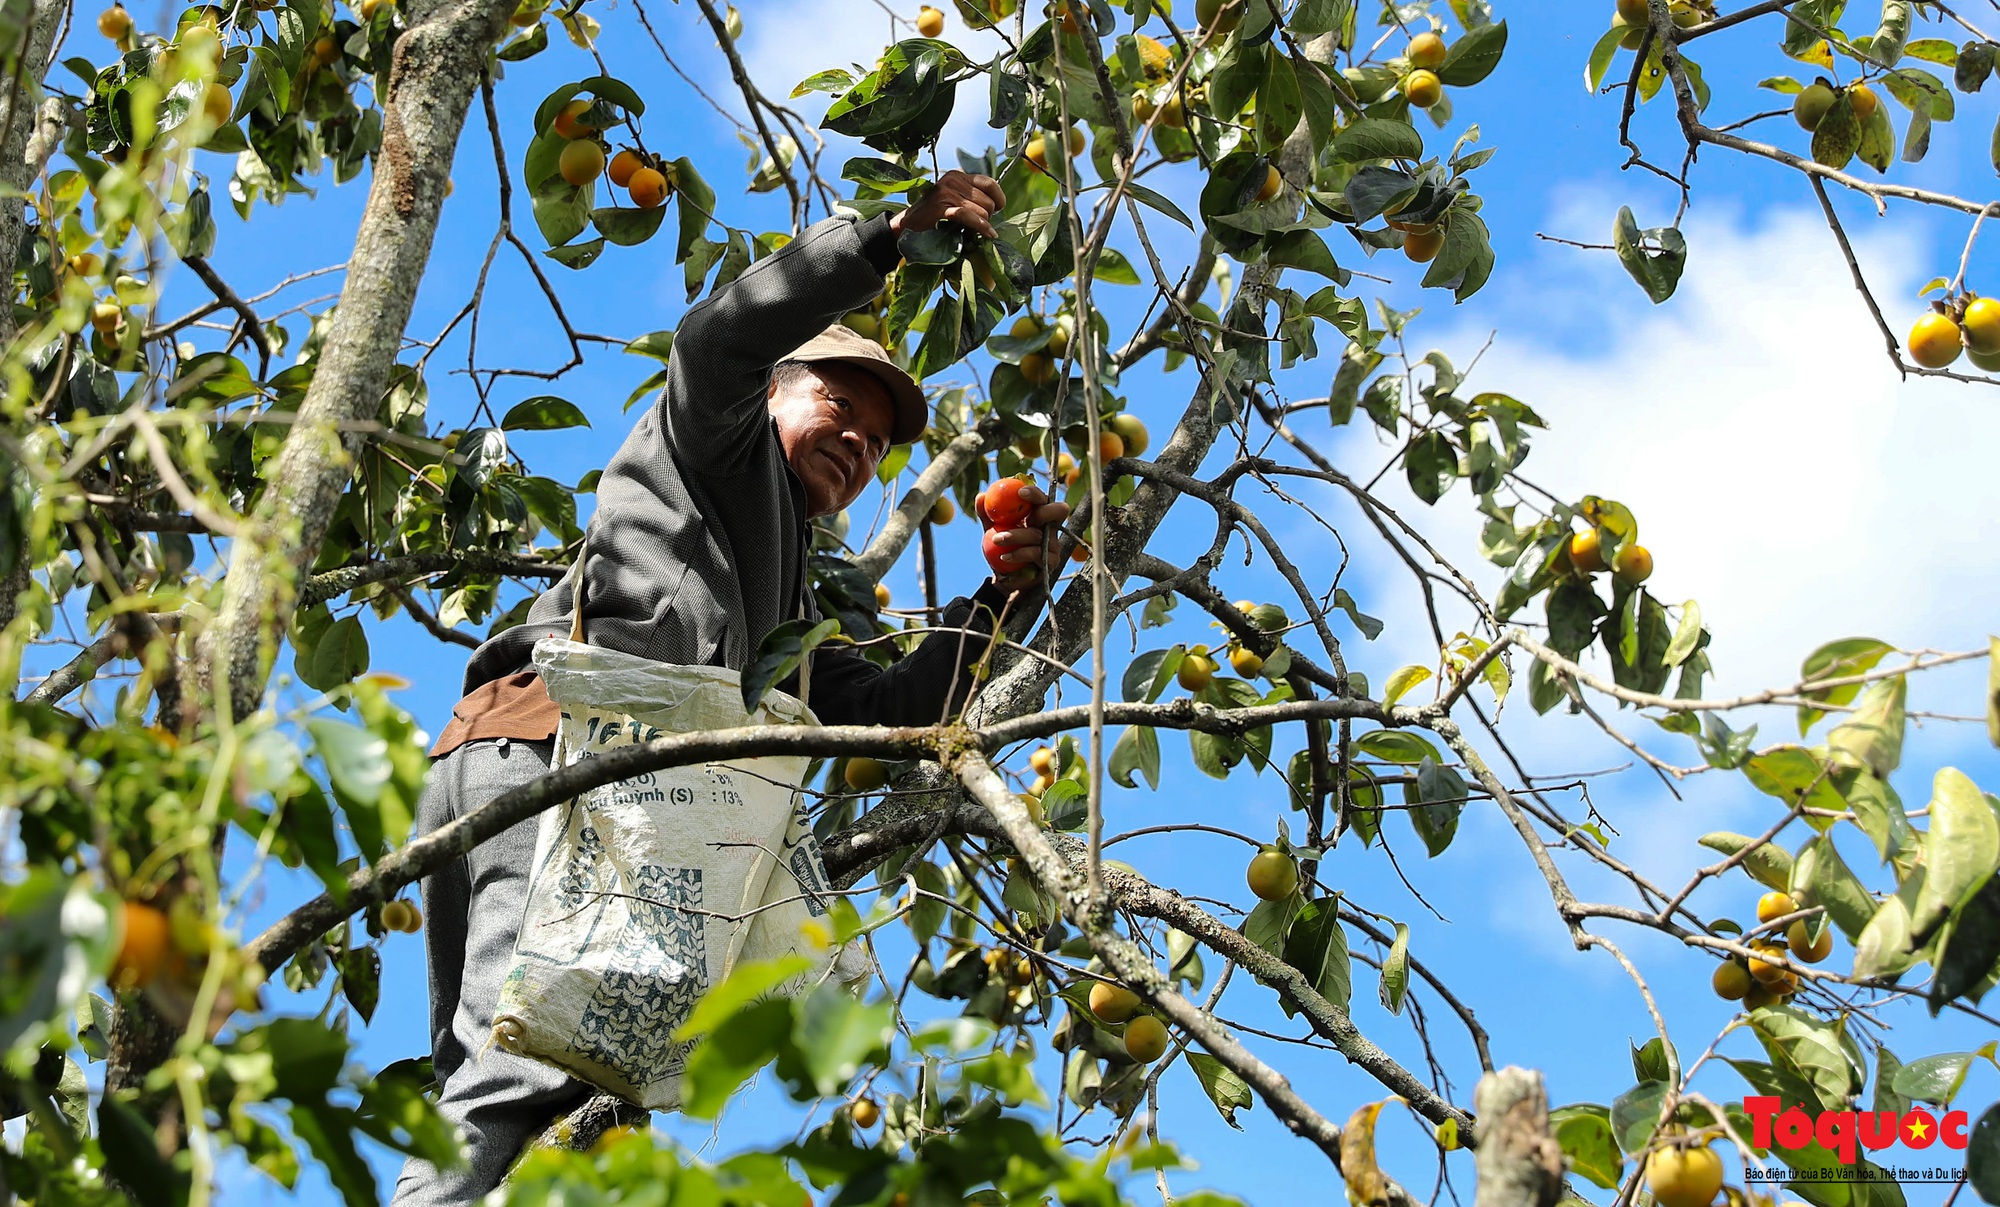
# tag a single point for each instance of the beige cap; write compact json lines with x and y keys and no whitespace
{"x":849,"y":347}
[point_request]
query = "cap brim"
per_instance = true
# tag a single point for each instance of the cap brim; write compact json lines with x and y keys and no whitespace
{"x":913,"y":411}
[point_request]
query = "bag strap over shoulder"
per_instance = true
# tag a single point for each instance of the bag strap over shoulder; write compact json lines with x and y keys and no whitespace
{"x":576,"y":593}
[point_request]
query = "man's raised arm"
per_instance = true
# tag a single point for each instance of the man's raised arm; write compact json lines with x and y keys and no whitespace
{"x":723,"y":352}
{"x":726,"y":346}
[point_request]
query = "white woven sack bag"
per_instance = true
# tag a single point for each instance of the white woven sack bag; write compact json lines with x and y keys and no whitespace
{"x":647,"y":891}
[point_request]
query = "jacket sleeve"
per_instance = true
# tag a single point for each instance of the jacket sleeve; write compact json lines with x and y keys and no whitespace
{"x":722,"y":356}
{"x":930,"y":684}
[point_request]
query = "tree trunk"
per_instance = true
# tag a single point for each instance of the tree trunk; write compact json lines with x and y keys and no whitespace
{"x":17,"y":119}
{"x":435,"y":67}
{"x":1519,"y":1163}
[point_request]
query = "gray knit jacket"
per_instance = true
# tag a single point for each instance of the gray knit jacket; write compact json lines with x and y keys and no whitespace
{"x":698,"y":545}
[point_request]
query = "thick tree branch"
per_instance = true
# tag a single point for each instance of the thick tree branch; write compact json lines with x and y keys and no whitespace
{"x":424,"y":855}
{"x":81,"y":669}
{"x":1124,"y":959}
{"x":333,"y":583}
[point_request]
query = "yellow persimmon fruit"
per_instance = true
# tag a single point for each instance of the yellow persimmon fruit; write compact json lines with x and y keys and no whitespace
{"x":1935,"y":341}
{"x":1423,"y":88}
{"x":1113,"y":1003}
{"x":1273,"y":875}
{"x":1145,"y":1039}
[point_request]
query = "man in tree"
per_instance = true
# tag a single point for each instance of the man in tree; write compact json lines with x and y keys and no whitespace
{"x":697,"y":549}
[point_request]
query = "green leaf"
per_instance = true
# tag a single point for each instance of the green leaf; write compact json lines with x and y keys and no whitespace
{"x":1439,"y":796}
{"x":1961,"y":849}
{"x":1312,"y":18}
{"x":1982,"y":1155}
{"x":1466,"y":258}
{"x":628,"y":226}
{"x":1993,"y":690}
{"x":1769,"y":865}
{"x":1474,"y":56}
{"x":1066,"y":804}
{"x":1886,"y":47}
{"x":696,"y":202}
{"x":780,"y":653}
{"x":837,"y":1035}
{"x":1878,"y":812}
{"x":1650,"y":1062}
{"x":1971,"y":949}
{"x":1270,"y":922}
{"x":1396,"y":971}
{"x":1368,"y":626}
{"x":1279,"y":104}
{"x":1838,"y":660}
{"x":1933,"y":50}
{"x":746,"y":985}
{"x":1921,"y":92}
{"x":1885,"y":947}
{"x":55,"y":940}
{"x":1431,"y":464}
{"x":1584,"y":1131}
{"x":1225,"y":1089}
{"x":1397,"y":746}
{"x":657,"y":344}
{"x":1636,"y":1113}
{"x":543,"y":413}
{"x":1873,"y":734}
{"x":357,"y":760}
{"x":1317,"y":947}
{"x":1686,"y":634}
{"x":1147,"y":675}
{"x":1138,"y":749}
{"x":577,"y":255}
{"x":882,"y":175}
{"x":1402,"y":681}
{"x":361,"y":980}
{"x":1829,"y":882}
{"x":1810,"y":1047}
{"x":1306,"y":250}
{"x":1114,"y":269}
{"x":1877,"y":147}
{"x":1375,"y":190}
{"x":1654,"y":258}
{"x":1159,"y":201}
{"x":1837,"y":136}
{"x":1602,"y":55}
{"x":1796,"y":776}
{"x":832,"y":80}
{"x":1374,"y":138}
{"x":727,"y":1057}
{"x":132,"y":1155}
{"x":526,"y":46}
{"x":1937,"y":1079}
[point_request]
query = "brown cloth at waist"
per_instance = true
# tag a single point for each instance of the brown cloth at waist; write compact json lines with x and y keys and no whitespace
{"x":516,"y":707}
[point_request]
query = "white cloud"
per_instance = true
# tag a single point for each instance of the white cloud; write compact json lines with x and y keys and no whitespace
{"x":1781,"y":472}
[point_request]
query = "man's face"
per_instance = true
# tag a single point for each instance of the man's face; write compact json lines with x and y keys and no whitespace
{"x":834,"y":422}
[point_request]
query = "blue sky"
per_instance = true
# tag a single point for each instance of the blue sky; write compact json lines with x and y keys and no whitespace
{"x":1780,"y":472}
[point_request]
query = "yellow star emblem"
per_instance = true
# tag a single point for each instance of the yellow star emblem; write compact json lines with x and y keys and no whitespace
{"x":1918,"y":1129}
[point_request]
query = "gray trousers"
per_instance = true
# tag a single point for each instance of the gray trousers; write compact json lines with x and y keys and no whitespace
{"x":472,"y":912}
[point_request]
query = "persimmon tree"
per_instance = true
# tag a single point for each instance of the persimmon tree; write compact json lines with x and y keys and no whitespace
{"x":207,"y":514}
